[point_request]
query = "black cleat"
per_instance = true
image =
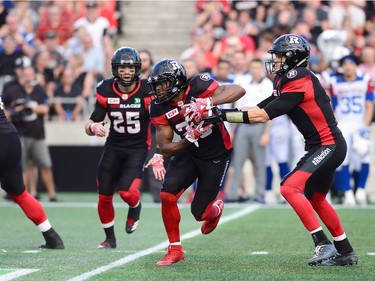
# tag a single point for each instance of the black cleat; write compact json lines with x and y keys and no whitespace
{"x":53,"y":240}
{"x":321,"y":253}
{"x":132,"y":221}
{"x":108,"y":243}
{"x":342,"y":259}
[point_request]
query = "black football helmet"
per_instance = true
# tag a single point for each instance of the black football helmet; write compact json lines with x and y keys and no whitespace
{"x":167,"y":70}
{"x":126,"y":56}
{"x":296,"y":50}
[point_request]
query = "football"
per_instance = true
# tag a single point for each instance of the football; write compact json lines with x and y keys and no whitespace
{"x":195,"y":121}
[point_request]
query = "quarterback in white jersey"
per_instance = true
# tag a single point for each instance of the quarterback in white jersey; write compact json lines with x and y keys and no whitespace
{"x":352,"y":99}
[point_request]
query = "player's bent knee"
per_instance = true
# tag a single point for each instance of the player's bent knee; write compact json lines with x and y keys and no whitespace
{"x":167,"y":197}
{"x":130,"y":197}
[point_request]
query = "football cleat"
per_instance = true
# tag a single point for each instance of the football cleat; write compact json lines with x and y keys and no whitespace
{"x":174,"y":254}
{"x":132,"y":221}
{"x":361,"y":197}
{"x":210,"y":225}
{"x":321,"y":253}
{"x":342,"y":259}
{"x":108,"y":243}
{"x":53,"y":240}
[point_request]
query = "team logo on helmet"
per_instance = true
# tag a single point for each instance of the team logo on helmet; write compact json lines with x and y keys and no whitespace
{"x":291,"y":74}
{"x":292,"y":39}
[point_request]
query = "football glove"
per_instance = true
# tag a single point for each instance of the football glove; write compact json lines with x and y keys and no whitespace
{"x":98,"y":129}
{"x":195,"y":109}
{"x":157,"y":163}
{"x":193,"y":133}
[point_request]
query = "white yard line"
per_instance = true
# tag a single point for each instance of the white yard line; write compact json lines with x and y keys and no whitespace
{"x":16,"y":274}
{"x":161,"y":246}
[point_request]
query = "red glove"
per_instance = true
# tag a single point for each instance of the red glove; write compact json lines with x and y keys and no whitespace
{"x":193,"y":133}
{"x":98,"y":129}
{"x":157,"y":163}
{"x":195,"y":110}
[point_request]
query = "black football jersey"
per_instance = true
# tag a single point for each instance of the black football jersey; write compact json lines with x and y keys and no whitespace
{"x":128,"y":113}
{"x":216,"y":142}
{"x":5,"y":126}
{"x":313,"y":114}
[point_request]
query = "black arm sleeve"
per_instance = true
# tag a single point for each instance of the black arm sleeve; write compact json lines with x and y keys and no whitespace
{"x":266,"y":101}
{"x":283,"y":104}
{"x":99,"y":113}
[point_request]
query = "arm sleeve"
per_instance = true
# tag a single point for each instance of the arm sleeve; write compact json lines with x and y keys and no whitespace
{"x":99,"y":113}
{"x":283,"y":104}
{"x":266,"y":101}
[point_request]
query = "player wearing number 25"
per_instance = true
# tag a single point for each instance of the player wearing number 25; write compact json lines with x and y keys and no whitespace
{"x":125,"y":99}
{"x":202,"y":153}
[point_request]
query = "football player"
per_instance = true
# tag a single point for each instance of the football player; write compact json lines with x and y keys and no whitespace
{"x":11,"y":180}
{"x":125,"y":100}
{"x":202,"y":153}
{"x":298,"y":93}
{"x":352,"y":98}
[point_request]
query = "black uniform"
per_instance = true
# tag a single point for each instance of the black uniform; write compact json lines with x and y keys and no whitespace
{"x":128,"y":142}
{"x":207,"y":162}
{"x":10,"y":157}
{"x":299,"y":94}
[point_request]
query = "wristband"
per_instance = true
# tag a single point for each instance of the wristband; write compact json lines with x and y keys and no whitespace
{"x":236,"y":117}
{"x":157,"y":151}
{"x":90,"y":129}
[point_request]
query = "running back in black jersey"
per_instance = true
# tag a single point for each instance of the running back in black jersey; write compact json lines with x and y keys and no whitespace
{"x":313,"y":116}
{"x":128,"y":113}
{"x":216,"y":141}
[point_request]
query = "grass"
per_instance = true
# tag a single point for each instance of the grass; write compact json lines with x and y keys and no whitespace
{"x":269,"y":243}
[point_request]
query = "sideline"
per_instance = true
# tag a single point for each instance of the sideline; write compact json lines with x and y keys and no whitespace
{"x":161,"y":246}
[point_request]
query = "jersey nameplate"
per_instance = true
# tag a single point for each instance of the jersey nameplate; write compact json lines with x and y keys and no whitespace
{"x":172,"y":113}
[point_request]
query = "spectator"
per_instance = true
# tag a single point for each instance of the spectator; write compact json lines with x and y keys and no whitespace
{"x":147,"y":63}
{"x":53,"y":18}
{"x":234,"y":41}
{"x":24,"y":40}
{"x":367,"y":65}
{"x":27,"y":103}
{"x":93,"y":58}
{"x":84,"y":79}
{"x":97,"y":27}
{"x":68,"y":102}
{"x":346,"y":15}
{"x":56,"y":59}
{"x":8,"y":57}
{"x":44,"y":75}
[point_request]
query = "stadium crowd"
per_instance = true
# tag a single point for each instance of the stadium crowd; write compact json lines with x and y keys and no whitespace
{"x":70,"y":45}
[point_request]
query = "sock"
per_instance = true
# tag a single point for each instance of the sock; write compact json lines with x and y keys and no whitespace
{"x":31,"y":207}
{"x":320,"y":238}
{"x":171,"y":216}
{"x":363,"y":175}
{"x":355,"y":177}
{"x":105,"y":210}
{"x":342,"y":179}
{"x":343,"y":246}
{"x":327,"y":214}
{"x":284,"y":169}
{"x":269,"y":178}
{"x":299,"y":202}
{"x":110,"y":232}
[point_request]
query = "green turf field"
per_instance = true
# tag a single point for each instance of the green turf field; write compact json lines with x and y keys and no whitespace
{"x":253,"y":242}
